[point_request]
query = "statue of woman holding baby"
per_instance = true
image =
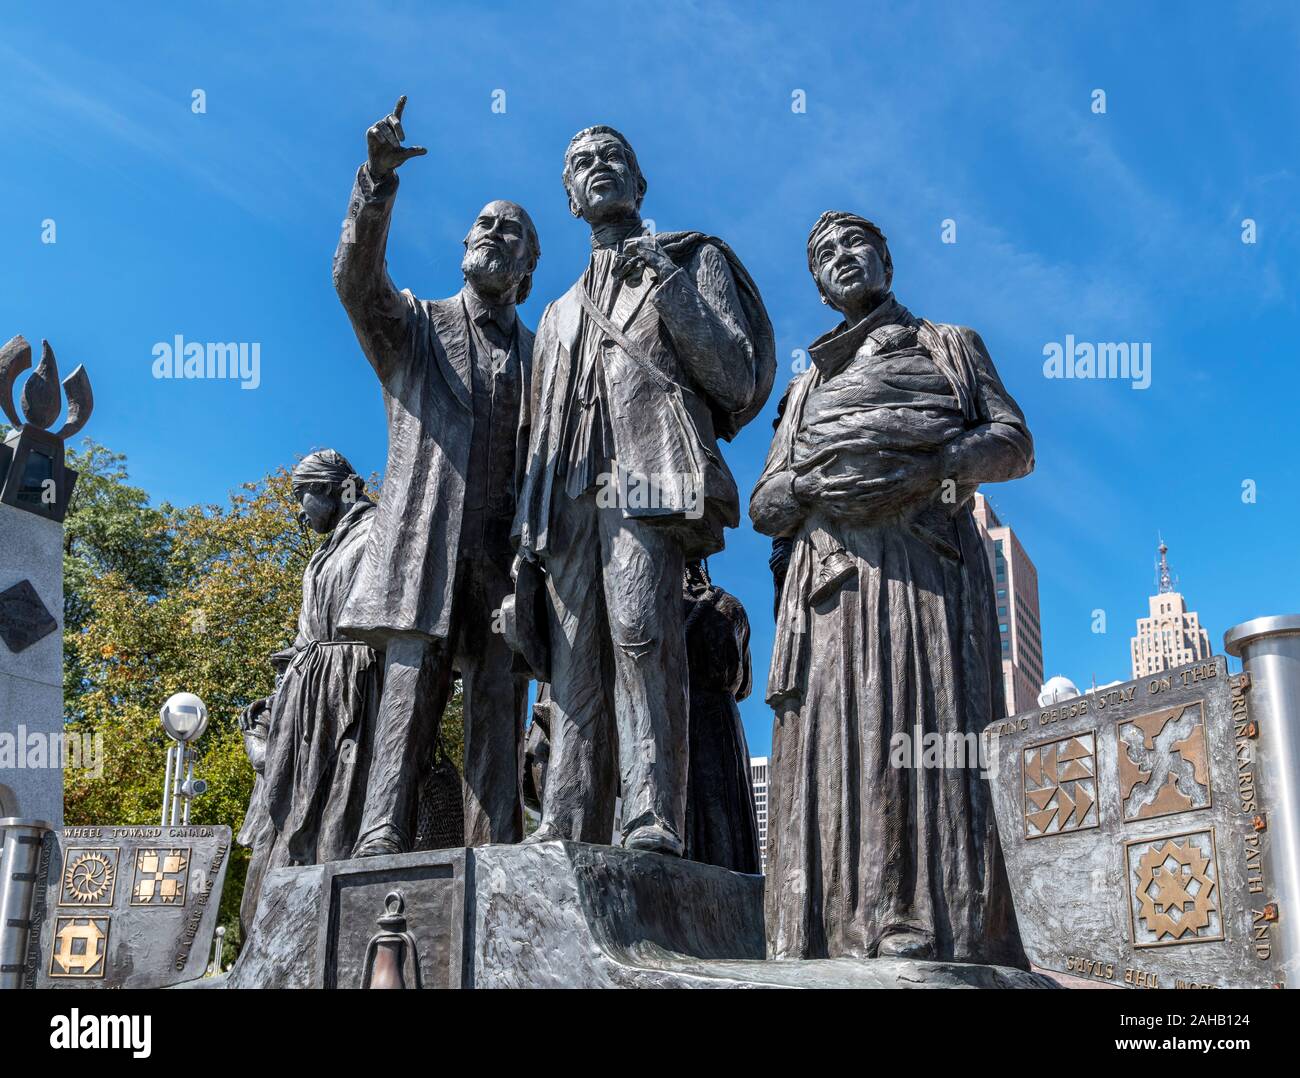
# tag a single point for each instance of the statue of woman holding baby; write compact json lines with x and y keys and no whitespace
{"x":886,"y":643}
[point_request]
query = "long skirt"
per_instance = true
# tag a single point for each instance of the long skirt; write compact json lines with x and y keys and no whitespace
{"x":721,"y":828}
{"x":318,"y":750}
{"x":862,"y":844}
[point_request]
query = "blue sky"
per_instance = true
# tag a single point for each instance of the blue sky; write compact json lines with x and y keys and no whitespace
{"x":1122,"y":226}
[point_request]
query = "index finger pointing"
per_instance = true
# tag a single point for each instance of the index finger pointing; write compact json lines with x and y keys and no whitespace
{"x":401,"y":104}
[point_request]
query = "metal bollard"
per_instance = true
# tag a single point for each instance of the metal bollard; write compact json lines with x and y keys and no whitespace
{"x":1269,"y":649}
{"x":22,"y":849}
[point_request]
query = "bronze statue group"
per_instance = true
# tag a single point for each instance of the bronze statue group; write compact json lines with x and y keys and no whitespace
{"x":515,"y":541}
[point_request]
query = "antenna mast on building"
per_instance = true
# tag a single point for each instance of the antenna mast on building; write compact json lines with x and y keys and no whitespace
{"x":1166,"y":580}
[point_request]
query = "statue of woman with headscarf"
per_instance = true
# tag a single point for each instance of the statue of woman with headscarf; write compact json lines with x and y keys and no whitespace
{"x":887,"y":644}
{"x":317,"y":742}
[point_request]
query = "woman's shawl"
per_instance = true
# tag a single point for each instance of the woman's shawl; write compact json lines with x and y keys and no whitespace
{"x":959,"y":354}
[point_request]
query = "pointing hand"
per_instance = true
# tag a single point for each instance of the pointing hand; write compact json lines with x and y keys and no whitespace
{"x":384,"y":149}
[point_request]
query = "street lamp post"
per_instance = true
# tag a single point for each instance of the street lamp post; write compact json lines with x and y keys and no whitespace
{"x":184,"y":717}
{"x":218,"y":939}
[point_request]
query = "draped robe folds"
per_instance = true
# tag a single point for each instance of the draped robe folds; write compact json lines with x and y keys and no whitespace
{"x":317,"y":754}
{"x":858,"y":847}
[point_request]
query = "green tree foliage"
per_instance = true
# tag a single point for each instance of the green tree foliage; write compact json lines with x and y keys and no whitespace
{"x":110,"y":528}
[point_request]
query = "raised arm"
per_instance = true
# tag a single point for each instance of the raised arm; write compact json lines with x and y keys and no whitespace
{"x":379,"y":313}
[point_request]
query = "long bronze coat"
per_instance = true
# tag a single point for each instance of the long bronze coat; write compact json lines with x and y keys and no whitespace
{"x":420,"y":349}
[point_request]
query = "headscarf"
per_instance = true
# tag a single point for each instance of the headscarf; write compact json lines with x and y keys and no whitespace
{"x":833,"y":218}
{"x":326,"y":466}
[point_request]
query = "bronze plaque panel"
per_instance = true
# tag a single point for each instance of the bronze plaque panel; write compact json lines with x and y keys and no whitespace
{"x":1135,"y":828}
{"x":126,"y":907}
{"x":432,"y":889}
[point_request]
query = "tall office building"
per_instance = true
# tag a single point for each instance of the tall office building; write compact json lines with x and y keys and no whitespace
{"x":1172,"y":636}
{"x":1015,"y":582}
{"x":758,"y":779}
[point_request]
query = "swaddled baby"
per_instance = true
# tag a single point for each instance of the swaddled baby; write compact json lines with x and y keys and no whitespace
{"x":879,"y":408}
{"x":865,"y":420}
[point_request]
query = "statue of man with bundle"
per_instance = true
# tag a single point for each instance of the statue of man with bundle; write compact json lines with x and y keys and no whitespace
{"x":660,"y":348}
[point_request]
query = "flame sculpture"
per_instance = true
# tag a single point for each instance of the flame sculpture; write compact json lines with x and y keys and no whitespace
{"x":32,"y":471}
{"x":40,"y":397}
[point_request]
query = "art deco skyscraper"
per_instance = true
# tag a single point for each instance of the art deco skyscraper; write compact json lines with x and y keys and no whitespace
{"x":1172,"y":636}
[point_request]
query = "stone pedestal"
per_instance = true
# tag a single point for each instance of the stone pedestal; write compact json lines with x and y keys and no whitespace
{"x":31,"y":666}
{"x":551,"y":915}
{"x":555,"y":914}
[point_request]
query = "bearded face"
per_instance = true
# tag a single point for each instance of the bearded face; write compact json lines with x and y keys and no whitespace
{"x":498,"y":250}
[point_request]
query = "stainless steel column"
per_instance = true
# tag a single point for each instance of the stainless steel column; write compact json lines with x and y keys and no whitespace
{"x":1269,"y":649}
{"x":167,"y":788}
{"x":22,"y":849}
